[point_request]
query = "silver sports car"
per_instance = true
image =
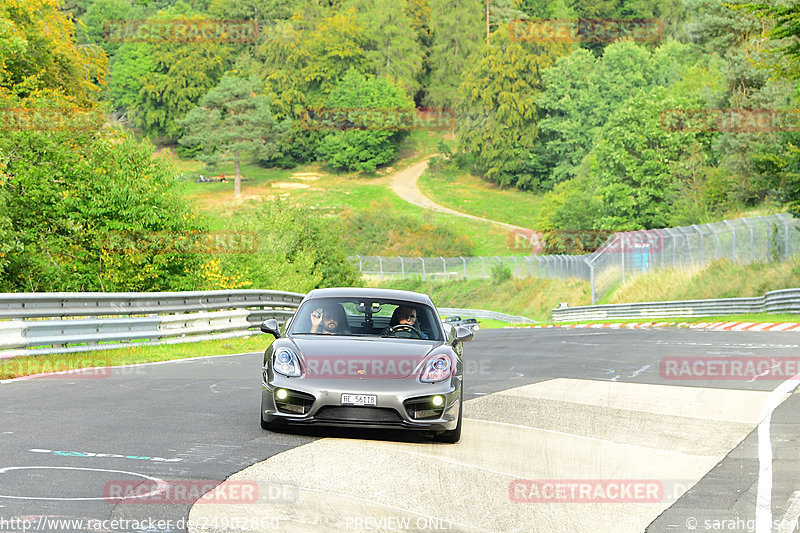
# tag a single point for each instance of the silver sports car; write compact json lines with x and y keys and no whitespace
{"x":373,"y":358}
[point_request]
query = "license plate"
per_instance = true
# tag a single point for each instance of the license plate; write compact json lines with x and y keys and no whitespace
{"x":359,"y":399}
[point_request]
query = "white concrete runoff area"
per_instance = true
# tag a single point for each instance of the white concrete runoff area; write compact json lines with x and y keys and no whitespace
{"x":562,"y":429}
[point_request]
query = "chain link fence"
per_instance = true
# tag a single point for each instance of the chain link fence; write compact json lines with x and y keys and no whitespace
{"x":623,"y":255}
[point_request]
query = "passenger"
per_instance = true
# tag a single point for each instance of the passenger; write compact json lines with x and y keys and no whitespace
{"x":404,"y":315}
{"x":329,"y":319}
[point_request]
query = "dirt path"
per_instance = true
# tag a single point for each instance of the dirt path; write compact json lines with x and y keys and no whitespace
{"x":404,"y":184}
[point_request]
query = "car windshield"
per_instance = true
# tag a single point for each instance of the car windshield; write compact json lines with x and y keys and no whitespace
{"x":366,"y":317}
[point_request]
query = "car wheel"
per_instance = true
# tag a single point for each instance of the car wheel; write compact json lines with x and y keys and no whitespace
{"x":454,"y":435}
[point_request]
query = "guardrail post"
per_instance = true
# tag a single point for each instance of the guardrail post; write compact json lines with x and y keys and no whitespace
{"x":444,"y":267}
{"x":402,"y":268}
{"x":464,"y":262}
{"x":360,"y":269}
{"x":380,"y":267}
{"x":422,"y":259}
{"x":528,"y":259}
{"x":483,"y":268}
{"x":591,"y":278}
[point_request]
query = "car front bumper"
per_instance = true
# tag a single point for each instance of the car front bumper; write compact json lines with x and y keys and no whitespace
{"x":400,"y":403}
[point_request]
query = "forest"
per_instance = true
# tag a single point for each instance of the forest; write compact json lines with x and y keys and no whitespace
{"x":623,"y":115}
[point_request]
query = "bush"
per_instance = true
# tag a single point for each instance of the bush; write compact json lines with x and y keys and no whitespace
{"x":71,"y":195}
{"x":380,"y":230}
{"x":364,"y":150}
{"x":297,"y":250}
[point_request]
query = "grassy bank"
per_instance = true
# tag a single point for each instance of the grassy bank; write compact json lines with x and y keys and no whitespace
{"x":36,"y":364}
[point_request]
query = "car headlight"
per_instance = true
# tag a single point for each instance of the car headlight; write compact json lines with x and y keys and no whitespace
{"x":285,"y":361}
{"x":437,"y":369}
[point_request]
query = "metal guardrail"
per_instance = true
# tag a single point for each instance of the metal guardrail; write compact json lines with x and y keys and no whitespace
{"x":63,"y":304}
{"x":39,"y":323}
{"x":781,"y":301}
{"x":50,"y":323}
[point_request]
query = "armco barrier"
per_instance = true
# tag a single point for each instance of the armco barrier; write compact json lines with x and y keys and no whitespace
{"x":39,"y":325}
{"x":782,"y":301}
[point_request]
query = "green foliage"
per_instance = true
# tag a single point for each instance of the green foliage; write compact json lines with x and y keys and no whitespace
{"x":388,"y":50}
{"x":363,"y":149}
{"x":382,"y":230}
{"x":498,"y":112}
{"x":231,"y":120}
{"x":86,"y":209}
{"x":458,"y":32}
{"x":501,"y":273}
{"x":568,"y":217}
{"x":634,"y":162}
{"x":298,"y":250}
{"x":161,"y":82}
{"x":38,"y":52}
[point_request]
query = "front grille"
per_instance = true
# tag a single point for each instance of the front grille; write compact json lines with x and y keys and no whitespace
{"x":358,"y":414}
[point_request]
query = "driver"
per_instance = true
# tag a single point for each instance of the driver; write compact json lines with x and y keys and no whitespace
{"x":407,"y":316}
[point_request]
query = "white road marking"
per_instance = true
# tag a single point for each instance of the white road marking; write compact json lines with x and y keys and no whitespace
{"x":791,"y":517}
{"x":161,"y":486}
{"x":764,"y":494}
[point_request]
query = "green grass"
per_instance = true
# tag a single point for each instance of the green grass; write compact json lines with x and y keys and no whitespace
{"x":475,"y":196}
{"x":720,"y":279}
{"x":35,"y":364}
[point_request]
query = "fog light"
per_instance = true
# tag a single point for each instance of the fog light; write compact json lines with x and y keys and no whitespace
{"x":438,"y":401}
{"x":281,"y":394}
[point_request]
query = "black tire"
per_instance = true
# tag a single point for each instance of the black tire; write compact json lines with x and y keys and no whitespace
{"x":453,"y":435}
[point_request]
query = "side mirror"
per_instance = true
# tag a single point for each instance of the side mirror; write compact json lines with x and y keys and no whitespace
{"x":271,"y":326}
{"x":463,"y":335}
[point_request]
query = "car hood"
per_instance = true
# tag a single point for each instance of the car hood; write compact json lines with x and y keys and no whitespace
{"x":362,"y":358}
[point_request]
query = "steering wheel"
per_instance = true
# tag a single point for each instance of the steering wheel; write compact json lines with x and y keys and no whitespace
{"x":405,"y":328}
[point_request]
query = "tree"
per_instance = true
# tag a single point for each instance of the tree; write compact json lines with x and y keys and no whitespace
{"x":388,"y":50}
{"x":38,"y":52}
{"x":90,"y":209}
{"x":372,"y":141}
{"x":635,"y":161}
{"x":231,"y":120}
{"x":498,"y":112}
{"x":459,"y":30}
